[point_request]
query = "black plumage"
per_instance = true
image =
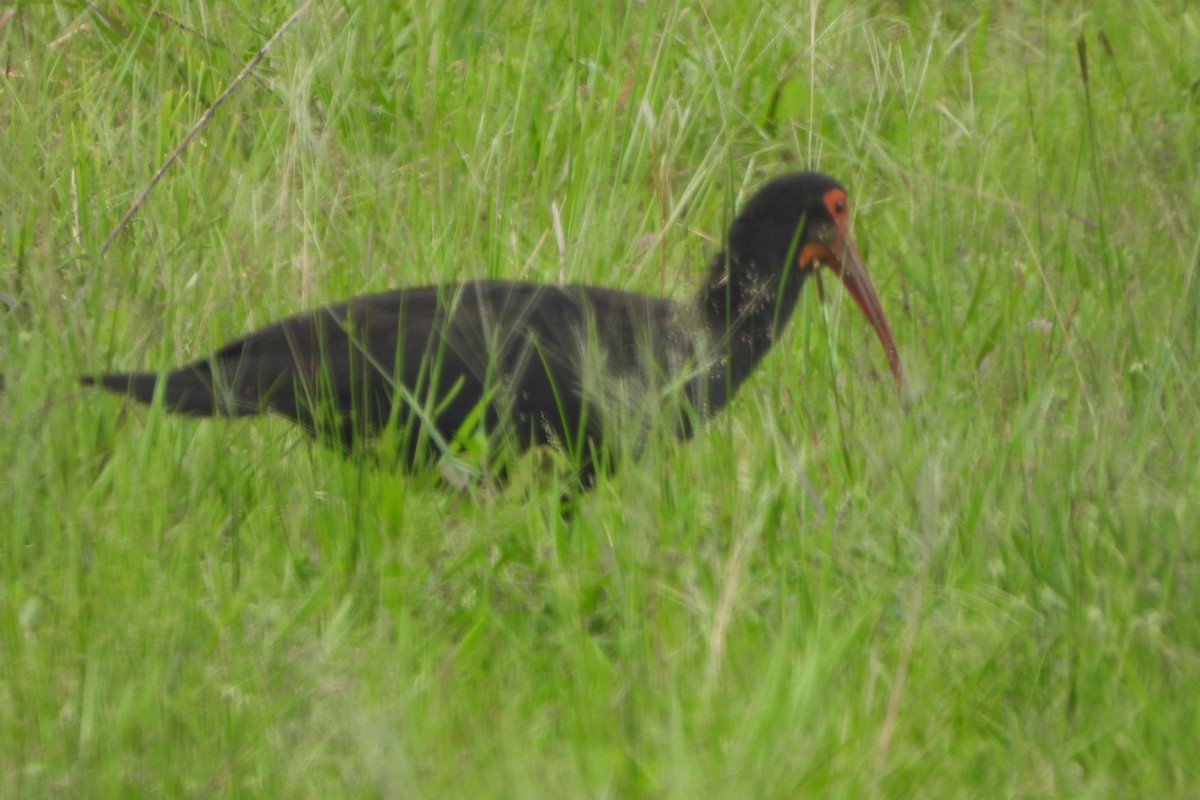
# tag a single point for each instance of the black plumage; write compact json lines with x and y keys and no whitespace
{"x":590,"y":369}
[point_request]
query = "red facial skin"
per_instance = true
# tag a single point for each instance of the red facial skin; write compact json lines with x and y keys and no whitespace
{"x":842,"y":257}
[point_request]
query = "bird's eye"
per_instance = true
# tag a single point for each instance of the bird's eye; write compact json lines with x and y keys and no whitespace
{"x":840,"y":206}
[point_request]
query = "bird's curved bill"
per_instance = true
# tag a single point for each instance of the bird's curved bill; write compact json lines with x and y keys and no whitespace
{"x":849,"y":267}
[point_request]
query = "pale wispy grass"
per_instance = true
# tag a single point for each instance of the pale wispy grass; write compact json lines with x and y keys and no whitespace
{"x":991,"y":593}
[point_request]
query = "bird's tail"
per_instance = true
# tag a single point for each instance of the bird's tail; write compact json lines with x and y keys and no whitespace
{"x":188,"y":390}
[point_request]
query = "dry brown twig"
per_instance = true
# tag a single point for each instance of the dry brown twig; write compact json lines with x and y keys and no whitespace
{"x":200,"y":123}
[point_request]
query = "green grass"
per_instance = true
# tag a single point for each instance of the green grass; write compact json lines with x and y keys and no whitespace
{"x":991,"y":594}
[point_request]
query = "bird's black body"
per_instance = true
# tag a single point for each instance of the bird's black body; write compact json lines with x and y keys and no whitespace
{"x":570,"y":365}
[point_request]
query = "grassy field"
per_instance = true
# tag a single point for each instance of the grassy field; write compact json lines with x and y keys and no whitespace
{"x":992,"y":593}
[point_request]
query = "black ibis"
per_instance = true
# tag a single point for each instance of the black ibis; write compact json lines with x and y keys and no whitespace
{"x":580,"y":367}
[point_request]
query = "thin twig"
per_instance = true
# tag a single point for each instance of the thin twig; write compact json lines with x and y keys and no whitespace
{"x":908,"y":641}
{"x":200,"y":123}
{"x":1011,"y":205}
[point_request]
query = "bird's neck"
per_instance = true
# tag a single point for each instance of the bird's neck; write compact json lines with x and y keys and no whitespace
{"x":744,"y":308}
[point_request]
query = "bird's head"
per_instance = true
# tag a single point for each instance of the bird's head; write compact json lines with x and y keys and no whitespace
{"x":798,"y":223}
